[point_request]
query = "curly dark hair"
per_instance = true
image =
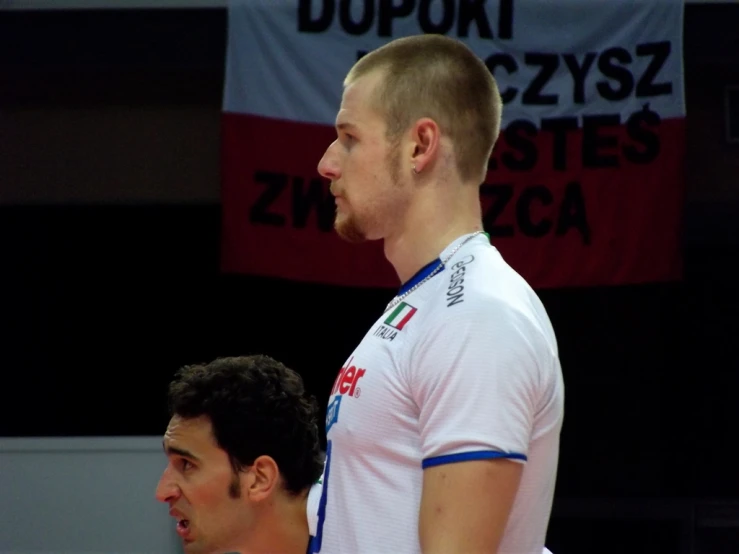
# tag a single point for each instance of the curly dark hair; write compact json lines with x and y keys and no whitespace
{"x":256,"y":407}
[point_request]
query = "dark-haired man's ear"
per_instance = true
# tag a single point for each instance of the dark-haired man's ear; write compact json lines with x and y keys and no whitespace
{"x":264,"y":476}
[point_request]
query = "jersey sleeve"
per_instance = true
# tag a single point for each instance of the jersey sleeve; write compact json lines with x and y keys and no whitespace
{"x":474,"y":375}
{"x":312,"y":507}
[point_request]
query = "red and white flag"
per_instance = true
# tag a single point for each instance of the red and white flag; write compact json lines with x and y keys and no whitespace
{"x":585,"y":185}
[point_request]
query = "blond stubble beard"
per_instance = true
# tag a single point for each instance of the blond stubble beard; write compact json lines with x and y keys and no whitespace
{"x":350,"y":229}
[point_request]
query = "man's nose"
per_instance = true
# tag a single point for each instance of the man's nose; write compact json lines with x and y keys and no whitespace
{"x":328,"y":166}
{"x":167,"y":489}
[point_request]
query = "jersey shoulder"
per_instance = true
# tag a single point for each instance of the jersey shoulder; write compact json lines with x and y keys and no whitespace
{"x":480,"y":287}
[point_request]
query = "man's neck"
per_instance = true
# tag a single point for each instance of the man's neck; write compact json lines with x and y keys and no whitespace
{"x":429,"y":227}
{"x":284,"y":530}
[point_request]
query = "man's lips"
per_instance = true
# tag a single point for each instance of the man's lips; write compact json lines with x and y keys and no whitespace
{"x":183,"y":523}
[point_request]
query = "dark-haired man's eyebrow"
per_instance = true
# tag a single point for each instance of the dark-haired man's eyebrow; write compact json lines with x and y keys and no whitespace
{"x":170,"y":450}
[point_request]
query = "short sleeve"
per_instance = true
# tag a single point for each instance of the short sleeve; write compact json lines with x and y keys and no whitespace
{"x":474,"y":376}
{"x":313,"y":505}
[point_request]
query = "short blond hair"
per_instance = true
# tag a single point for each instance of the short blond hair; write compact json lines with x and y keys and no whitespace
{"x":441,"y":78}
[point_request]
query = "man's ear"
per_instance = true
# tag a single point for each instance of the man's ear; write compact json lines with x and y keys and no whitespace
{"x":263,"y":479}
{"x":426,"y":139}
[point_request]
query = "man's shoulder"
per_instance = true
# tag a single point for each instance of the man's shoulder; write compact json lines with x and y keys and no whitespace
{"x":481,"y":291}
{"x":481,"y":282}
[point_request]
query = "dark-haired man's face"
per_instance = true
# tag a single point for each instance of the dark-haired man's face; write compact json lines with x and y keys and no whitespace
{"x":201,"y":489}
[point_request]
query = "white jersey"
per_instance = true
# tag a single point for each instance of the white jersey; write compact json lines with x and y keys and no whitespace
{"x":466,"y":367}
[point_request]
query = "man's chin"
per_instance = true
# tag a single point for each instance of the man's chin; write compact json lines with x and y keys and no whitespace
{"x":349,"y":231}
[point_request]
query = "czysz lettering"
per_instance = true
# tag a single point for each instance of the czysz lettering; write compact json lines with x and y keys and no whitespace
{"x":347,"y":380}
{"x":619,"y":80}
{"x":455,"y":290}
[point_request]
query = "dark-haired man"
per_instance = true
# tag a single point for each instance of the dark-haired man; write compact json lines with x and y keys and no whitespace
{"x":243,"y":451}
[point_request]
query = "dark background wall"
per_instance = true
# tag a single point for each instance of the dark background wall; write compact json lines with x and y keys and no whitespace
{"x":109,"y":279}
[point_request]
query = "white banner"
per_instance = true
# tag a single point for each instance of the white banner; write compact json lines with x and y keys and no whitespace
{"x":287,"y":58}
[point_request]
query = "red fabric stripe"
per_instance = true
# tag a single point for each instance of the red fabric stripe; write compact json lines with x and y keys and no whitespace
{"x":633,"y":211}
{"x":406,"y":319}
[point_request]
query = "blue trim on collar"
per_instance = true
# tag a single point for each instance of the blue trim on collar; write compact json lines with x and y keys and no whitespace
{"x":424,"y":272}
{"x":420,"y":275}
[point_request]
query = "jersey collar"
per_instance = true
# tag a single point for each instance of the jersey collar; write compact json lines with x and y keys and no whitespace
{"x":422,"y":273}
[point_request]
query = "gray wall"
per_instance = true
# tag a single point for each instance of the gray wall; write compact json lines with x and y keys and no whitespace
{"x":83,"y":495}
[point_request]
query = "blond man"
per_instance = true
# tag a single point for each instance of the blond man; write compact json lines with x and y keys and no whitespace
{"x":443,"y":425}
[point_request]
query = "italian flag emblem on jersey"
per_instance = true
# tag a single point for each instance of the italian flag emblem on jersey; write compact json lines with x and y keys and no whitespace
{"x":401,"y":315}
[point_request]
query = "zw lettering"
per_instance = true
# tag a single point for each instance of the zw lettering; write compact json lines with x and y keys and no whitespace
{"x":304,"y":200}
{"x":275,"y":183}
{"x":568,"y":213}
{"x":359,"y":17}
{"x":601,"y":146}
{"x":618,"y":81}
